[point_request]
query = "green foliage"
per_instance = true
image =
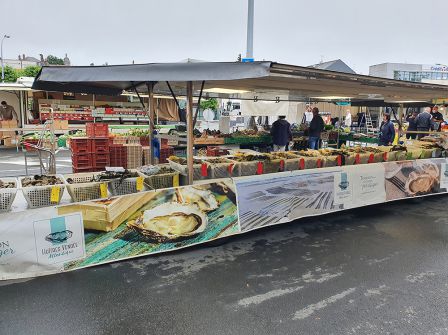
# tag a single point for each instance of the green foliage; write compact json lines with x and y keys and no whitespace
{"x":211,"y":103}
{"x":11,"y":75}
{"x":30,"y":71}
{"x":53,"y":60}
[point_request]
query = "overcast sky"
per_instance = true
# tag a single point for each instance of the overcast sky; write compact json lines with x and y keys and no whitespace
{"x":299,"y":32}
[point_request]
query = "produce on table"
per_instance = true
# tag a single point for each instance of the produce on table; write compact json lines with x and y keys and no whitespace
{"x":5,"y":184}
{"x":41,"y":181}
{"x":108,"y":175}
{"x":183,"y":161}
{"x":152,"y":170}
{"x":243,"y":157}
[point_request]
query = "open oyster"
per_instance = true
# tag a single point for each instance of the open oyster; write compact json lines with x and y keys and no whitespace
{"x":169,"y":222}
{"x":430,"y":169}
{"x":204,"y":199}
{"x":419,"y":183}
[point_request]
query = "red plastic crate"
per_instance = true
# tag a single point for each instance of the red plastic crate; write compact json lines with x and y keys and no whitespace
{"x":81,"y":160}
{"x":118,"y":155}
{"x":80,"y":145}
{"x":99,"y":145}
{"x":97,"y":130}
{"x":165,"y":153}
{"x":83,"y":169}
{"x":216,"y":152}
{"x":100,"y":160}
{"x":144,"y":141}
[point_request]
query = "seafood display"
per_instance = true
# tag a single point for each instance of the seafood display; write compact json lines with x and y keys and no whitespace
{"x":41,"y":181}
{"x":170,"y":221}
{"x":6,"y":184}
{"x":204,"y":199}
{"x":153,"y":170}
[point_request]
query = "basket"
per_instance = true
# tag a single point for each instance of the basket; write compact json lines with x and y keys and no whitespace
{"x":40,"y":196}
{"x":247,"y":168}
{"x":83,"y":188}
{"x":158,"y":181}
{"x":226,"y":169}
{"x":124,"y":186}
{"x":7,"y":195}
{"x":197,"y":170}
{"x":330,"y":161}
{"x":272,"y":166}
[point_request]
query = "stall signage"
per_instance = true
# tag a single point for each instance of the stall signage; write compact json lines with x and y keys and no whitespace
{"x":444,"y":175}
{"x":343,"y":189}
{"x":59,"y":239}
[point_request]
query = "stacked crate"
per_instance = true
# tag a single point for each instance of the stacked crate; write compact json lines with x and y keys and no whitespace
{"x":118,"y":156}
{"x":99,"y":143}
{"x":165,"y":153}
{"x":81,"y":154}
{"x":146,"y":155}
{"x":134,"y":155}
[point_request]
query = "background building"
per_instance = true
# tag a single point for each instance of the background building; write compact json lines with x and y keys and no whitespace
{"x":433,"y":74}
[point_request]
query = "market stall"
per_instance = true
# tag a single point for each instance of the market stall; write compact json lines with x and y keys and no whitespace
{"x":192,"y":200}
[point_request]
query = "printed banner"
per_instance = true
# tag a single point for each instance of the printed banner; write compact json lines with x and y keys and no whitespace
{"x":67,"y":237}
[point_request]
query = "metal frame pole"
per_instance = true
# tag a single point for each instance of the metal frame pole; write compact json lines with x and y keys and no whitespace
{"x":190,"y":139}
{"x":151,"y":112}
{"x":250,"y":29}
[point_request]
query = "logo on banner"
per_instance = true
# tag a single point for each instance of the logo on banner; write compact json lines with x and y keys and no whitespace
{"x":444,"y":175}
{"x":342,"y":189}
{"x":59,"y":239}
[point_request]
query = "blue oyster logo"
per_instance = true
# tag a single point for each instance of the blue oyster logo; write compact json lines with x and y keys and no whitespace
{"x":343,"y":185}
{"x":59,"y":233}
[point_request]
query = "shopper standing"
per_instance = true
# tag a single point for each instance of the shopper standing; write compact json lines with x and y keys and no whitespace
{"x":348,"y":119}
{"x":281,"y":133}
{"x":423,"y":122}
{"x":387,"y":131}
{"x":437,"y":118}
{"x":412,"y":125}
{"x":7,"y":112}
{"x":317,"y":126}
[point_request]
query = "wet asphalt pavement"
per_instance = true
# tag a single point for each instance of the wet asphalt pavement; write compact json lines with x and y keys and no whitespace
{"x":376,"y":270}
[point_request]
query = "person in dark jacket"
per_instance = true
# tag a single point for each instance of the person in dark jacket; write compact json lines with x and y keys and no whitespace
{"x":387,"y":131}
{"x":281,"y":133}
{"x":317,"y":126}
{"x":423,"y":122}
{"x":437,"y":118}
{"x":412,"y":125}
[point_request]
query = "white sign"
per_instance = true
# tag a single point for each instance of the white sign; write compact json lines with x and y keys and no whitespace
{"x":59,"y":239}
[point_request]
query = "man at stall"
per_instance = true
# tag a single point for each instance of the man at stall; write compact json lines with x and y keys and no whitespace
{"x":281,"y":133}
{"x":437,"y":118}
{"x":7,"y":112}
{"x":348,"y":119}
{"x":387,"y":131}
{"x":423,"y":122}
{"x":317,"y":126}
{"x":412,"y":125}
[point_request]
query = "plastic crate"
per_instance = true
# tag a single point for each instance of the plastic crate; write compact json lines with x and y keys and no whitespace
{"x":80,"y":145}
{"x":165,"y":153}
{"x":99,"y":145}
{"x":40,"y":196}
{"x":118,"y":155}
{"x":125,"y":186}
{"x":216,"y":152}
{"x":84,"y":187}
{"x":100,"y":160}
{"x":97,"y":130}
{"x":200,"y":171}
{"x":82,"y":169}
{"x":28,"y":144}
{"x":7,"y":195}
{"x":82,"y":160}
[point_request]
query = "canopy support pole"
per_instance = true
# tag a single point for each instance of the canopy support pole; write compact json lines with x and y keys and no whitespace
{"x":173,"y":95}
{"x":199,"y":104}
{"x":151,"y":112}
{"x":190,"y":140}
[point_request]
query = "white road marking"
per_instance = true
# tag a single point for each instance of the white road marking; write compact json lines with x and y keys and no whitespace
{"x":310,"y":309}
{"x":258,"y":299}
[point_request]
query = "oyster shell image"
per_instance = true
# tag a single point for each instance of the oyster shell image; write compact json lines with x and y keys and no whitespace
{"x":169,"y":222}
{"x":204,"y":199}
{"x":430,"y":169}
{"x":419,"y":183}
{"x":59,"y":237}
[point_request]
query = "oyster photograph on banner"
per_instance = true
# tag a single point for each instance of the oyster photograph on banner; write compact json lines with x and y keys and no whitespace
{"x":155,"y":221}
{"x":413,"y":178}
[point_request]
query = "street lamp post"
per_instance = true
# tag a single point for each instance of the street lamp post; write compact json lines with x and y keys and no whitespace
{"x":1,"y":51}
{"x":250,"y":30}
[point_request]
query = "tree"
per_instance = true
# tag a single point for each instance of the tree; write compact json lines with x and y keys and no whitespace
{"x":211,"y":103}
{"x":11,"y":75}
{"x":53,"y":60}
{"x":31,"y":71}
